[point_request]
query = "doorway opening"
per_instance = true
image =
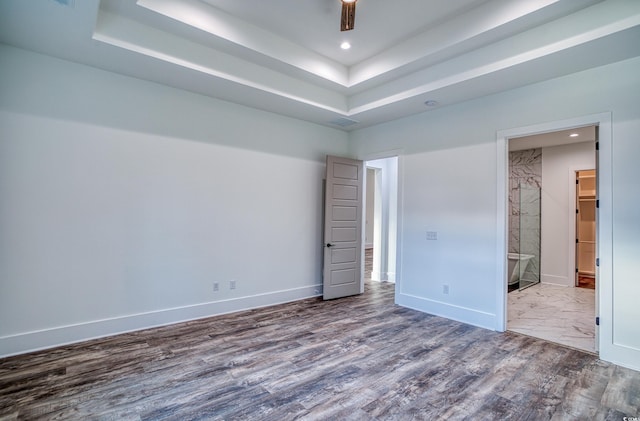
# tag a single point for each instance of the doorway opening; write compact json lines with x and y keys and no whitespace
{"x":552,"y":235}
{"x":345,"y":213}
{"x":585,"y":221}
{"x":381,"y":219}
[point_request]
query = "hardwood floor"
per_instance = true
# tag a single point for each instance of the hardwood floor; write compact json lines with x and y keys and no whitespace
{"x":358,"y":358}
{"x":368,"y":263}
{"x":588,"y":282}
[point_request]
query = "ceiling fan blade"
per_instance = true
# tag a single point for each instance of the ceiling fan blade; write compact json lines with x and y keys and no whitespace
{"x":348,"y":16}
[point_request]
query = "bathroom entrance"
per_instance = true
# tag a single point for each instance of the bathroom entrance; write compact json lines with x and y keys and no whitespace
{"x":551,"y":236}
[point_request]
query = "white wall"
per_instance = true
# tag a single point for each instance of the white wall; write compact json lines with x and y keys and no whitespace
{"x":370,"y":208}
{"x":559,"y":166}
{"x":626,"y":228}
{"x":123,"y":201}
{"x":450,"y":186}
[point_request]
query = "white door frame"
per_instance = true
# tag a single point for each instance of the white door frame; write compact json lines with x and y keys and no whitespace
{"x":604,"y":246}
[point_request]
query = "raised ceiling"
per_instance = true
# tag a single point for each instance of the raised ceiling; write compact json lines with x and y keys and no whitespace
{"x":314,"y":24}
{"x":284,"y":56}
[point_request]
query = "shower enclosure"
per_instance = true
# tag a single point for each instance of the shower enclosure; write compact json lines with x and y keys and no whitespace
{"x":529,"y":229}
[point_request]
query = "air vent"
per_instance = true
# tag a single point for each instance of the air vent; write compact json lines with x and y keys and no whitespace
{"x":343,"y":122}
{"x":68,"y":3}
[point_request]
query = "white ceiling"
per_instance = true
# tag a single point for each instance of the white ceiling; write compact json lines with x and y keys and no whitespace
{"x":283,"y":55}
{"x":314,"y":24}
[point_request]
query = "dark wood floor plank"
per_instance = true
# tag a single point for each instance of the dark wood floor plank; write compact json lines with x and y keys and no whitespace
{"x":622,"y":379}
{"x":358,"y":358}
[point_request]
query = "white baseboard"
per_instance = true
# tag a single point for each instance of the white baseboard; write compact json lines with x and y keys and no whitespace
{"x":391,"y":276}
{"x":557,"y":280}
{"x":49,"y":338}
{"x":449,"y":311}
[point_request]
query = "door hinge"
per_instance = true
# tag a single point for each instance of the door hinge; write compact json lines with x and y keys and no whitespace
{"x":598,"y":203}
{"x":598,"y":261}
{"x":577,"y":211}
{"x":597,"y":321}
{"x":577,"y":241}
{"x":577,"y":181}
{"x":597,"y":146}
{"x":576,"y":270}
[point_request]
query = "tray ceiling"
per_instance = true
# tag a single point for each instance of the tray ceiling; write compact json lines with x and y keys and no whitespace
{"x":284,"y":56}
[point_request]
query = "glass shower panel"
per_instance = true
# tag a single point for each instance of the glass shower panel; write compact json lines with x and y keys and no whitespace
{"x":530,"y":230}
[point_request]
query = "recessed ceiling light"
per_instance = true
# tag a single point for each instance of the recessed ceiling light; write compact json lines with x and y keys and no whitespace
{"x":431,"y":103}
{"x":574,"y":135}
{"x":345,"y":45}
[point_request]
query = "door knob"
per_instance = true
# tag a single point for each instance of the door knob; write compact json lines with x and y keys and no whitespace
{"x":329,"y":245}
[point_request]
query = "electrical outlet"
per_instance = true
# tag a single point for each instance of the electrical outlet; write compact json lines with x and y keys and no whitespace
{"x":432,"y":235}
{"x":445,"y":289}
{"x":232,"y":284}
{"x":216,"y":287}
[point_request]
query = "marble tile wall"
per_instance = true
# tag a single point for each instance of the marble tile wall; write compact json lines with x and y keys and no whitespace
{"x":525,"y":169}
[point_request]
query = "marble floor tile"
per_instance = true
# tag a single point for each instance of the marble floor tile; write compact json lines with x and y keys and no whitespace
{"x":559,"y":314}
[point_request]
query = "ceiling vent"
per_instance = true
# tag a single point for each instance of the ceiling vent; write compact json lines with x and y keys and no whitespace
{"x":69,"y":3}
{"x":343,"y":122}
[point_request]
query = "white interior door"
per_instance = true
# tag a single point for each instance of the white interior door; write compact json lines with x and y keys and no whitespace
{"x":344,"y":196}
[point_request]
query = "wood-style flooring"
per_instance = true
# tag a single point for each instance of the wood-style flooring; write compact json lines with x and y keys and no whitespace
{"x":358,"y":358}
{"x":368,"y":263}
{"x":588,"y":282}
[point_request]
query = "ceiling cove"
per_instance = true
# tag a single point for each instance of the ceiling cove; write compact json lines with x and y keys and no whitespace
{"x":286,"y":57}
